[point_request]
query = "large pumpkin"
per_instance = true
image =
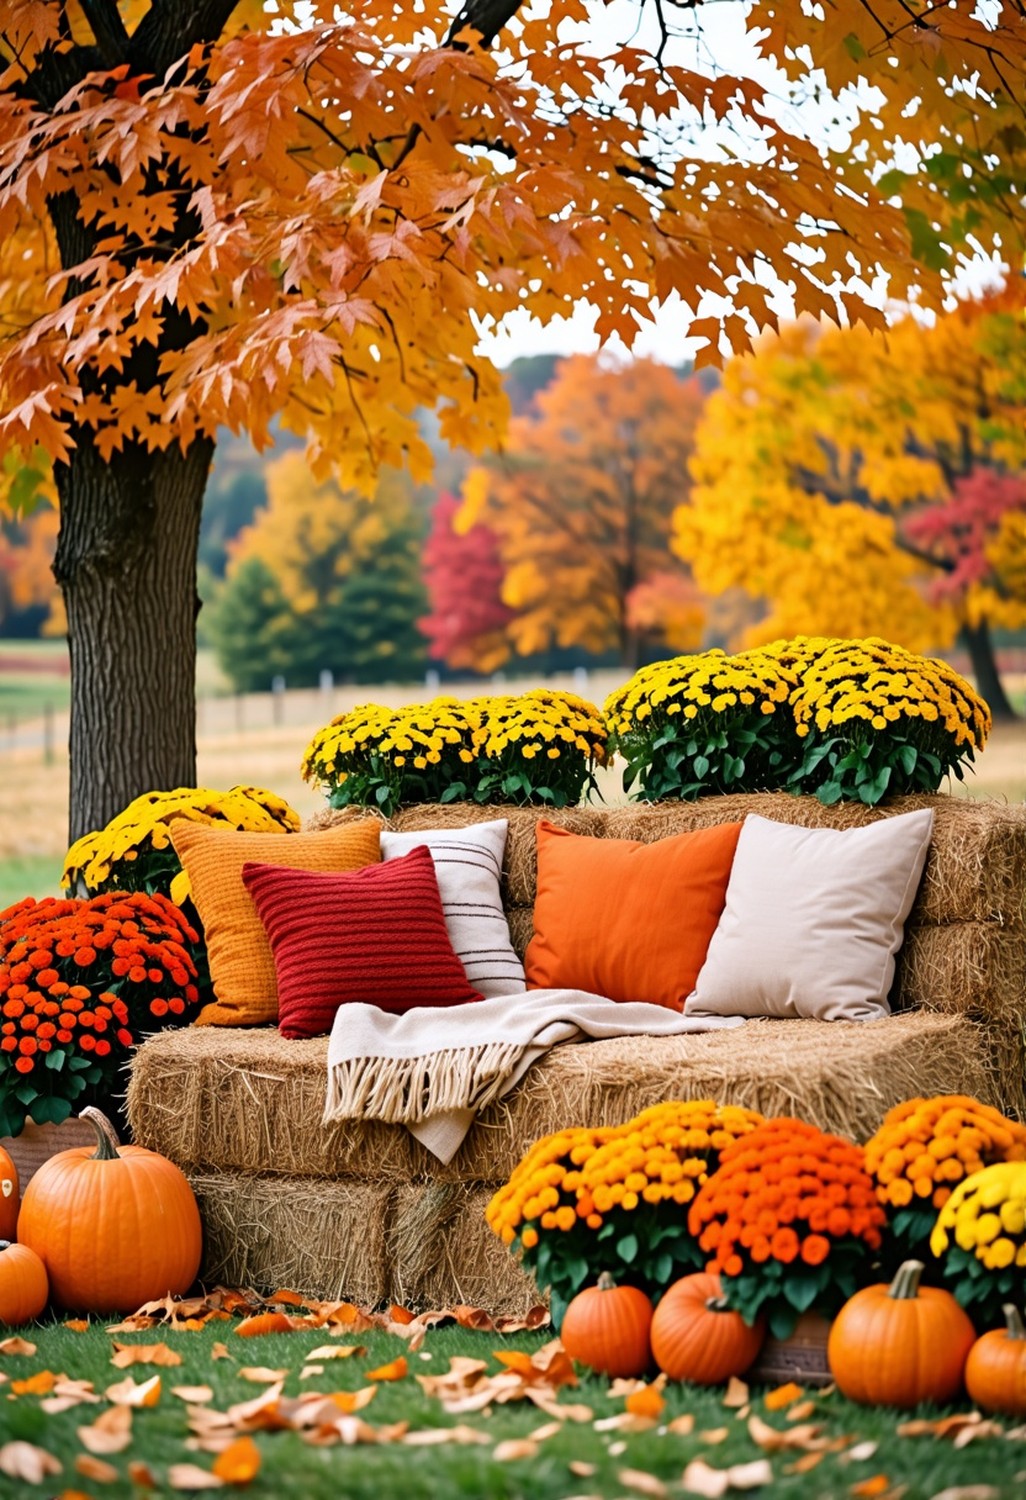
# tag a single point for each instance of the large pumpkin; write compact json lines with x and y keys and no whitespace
{"x":9,"y":1197}
{"x":114,"y":1229}
{"x":696,"y":1336}
{"x":995,"y":1372}
{"x":901,"y":1344}
{"x":606,"y":1327}
{"x":23,"y":1284}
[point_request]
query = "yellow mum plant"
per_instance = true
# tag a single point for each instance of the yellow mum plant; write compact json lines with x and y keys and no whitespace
{"x":541,"y":746}
{"x":134,"y":851}
{"x":583,"y":1201}
{"x":980,"y":1240}
{"x":705,"y":723}
{"x":923,"y":1149}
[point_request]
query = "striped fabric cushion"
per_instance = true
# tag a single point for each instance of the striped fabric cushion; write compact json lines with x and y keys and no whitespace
{"x":377,"y":935}
{"x":468,"y":863}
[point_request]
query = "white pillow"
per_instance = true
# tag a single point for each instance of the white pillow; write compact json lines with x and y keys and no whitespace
{"x":813,"y":920}
{"x":468,"y":864}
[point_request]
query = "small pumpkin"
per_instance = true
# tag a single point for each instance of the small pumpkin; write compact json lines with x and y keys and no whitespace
{"x":23,"y":1285}
{"x":697,"y":1337}
{"x":115,"y":1228}
{"x":10,"y":1198}
{"x":901,"y":1344}
{"x":995,"y":1372}
{"x":606,"y":1327}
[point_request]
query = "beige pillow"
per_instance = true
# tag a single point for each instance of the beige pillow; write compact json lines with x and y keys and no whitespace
{"x":813,"y":920}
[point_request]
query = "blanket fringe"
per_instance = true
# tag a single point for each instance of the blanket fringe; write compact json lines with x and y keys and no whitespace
{"x":403,"y":1091}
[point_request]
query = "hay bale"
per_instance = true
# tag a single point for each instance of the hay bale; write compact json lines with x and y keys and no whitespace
{"x":975,"y":871}
{"x":245,"y":1099}
{"x":443,"y":1254}
{"x":324,"y":1239}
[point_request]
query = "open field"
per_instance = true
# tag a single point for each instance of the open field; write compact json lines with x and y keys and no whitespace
{"x":259,"y":740}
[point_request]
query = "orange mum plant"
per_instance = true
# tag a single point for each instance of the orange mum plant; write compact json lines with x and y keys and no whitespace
{"x":584,"y":1201}
{"x":787,"y":1221}
{"x":923,"y":1149}
{"x":80,"y":983}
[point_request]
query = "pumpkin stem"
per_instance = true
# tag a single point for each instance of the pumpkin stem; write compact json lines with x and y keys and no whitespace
{"x":717,"y":1304}
{"x":1013,"y":1322}
{"x":606,"y":1282}
{"x":106,"y":1136}
{"x":905,"y":1285}
{"x":6,"y":1245}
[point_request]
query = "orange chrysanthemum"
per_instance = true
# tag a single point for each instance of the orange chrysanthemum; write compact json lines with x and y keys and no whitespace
{"x":925,"y":1147}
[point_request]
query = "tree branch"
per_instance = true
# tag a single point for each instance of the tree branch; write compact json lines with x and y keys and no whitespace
{"x":108,"y":28}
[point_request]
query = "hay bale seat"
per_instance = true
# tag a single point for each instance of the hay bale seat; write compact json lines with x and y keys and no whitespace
{"x":361,"y":1210}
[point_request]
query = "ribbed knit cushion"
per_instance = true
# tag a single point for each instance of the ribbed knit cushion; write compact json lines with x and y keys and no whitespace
{"x":241,"y":962}
{"x":376,"y":936}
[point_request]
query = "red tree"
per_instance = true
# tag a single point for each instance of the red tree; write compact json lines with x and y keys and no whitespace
{"x":463,"y":575}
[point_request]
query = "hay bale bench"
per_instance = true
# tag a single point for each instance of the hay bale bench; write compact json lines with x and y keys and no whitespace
{"x":362,"y":1211}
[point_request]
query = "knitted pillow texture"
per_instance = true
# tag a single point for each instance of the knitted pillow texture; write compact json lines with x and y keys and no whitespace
{"x":377,"y":936}
{"x":241,"y":962}
{"x":468,"y":863}
{"x":813,"y":920}
{"x":627,"y":920}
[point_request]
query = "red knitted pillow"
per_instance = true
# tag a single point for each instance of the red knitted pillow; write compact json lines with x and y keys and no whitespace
{"x":376,"y":935}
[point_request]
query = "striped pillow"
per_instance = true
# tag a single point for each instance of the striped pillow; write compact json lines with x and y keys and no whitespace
{"x":376,"y":935}
{"x":468,"y":863}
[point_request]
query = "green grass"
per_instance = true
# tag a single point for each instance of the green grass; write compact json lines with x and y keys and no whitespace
{"x":290,"y":1466}
{"x":29,"y":875}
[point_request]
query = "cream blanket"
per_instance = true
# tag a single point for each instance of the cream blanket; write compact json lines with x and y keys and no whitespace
{"x":432,"y":1069}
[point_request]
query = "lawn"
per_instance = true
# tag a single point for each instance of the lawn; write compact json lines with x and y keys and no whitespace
{"x":866,"y":1456}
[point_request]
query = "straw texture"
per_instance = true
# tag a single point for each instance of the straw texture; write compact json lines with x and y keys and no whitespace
{"x":247,"y":1101}
{"x":324,"y":1239}
{"x":442,"y":1253}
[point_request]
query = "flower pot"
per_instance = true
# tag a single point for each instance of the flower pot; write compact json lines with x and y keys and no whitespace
{"x":801,"y":1358}
{"x":37,"y":1143}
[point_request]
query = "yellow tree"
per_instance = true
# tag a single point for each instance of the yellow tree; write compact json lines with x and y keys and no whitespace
{"x":211,"y":216}
{"x":581,"y":503}
{"x":860,"y":485}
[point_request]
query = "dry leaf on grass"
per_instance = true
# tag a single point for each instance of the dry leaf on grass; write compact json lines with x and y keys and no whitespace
{"x":221,"y":1351}
{"x":110,"y":1433}
{"x":195,"y":1395}
{"x":144,"y":1354}
{"x":867,"y":1489}
{"x":550,"y":1404}
{"x":714,"y":1435}
{"x":737,"y":1393}
{"x":701,"y":1479}
{"x":396,"y":1369}
{"x":260,"y":1374}
{"x":39,"y":1384}
{"x":968,"y":1492}
{"x":861,"y":1453}
{"x":25,"y":1461}
{"x":963,"y":1428}
{"x":142,"y":1475}
{"x":625,"y":1421}
{"x":648,"y":1402}
{"x":550,"y":1365}
{"x":476,"y":1318}
{"x":97,"y":1469}
{"x":127,"y":1393}
{"x":582,"y":1469}
{"x":239,"y":1464}
{"x":432,"y":1437}
{"x":683,"y":1425}
{"x":783,"y":1395}
{"x":16,"y":1345}
{"x":350,"y":1401}
{"x":642,"y":1483}
{"x":77,"y":1325}
{"x":774,"y":1440}
{"x":546,"y":1431}
{"x":514,"y":1448}
{"x":805,"y":1464}
{"x":334,"y":1351}
{"x":192,"y":1477}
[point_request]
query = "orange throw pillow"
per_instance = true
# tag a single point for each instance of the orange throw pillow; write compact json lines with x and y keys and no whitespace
{"x":238,"y":950}
{"x":627,"y":920}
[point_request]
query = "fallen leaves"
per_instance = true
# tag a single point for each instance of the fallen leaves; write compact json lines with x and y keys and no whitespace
{"x":110,"y":1433}
{"x":195,"y":1395}
{"x":144,"y":1354}
{"x":239,"y":1464}
{"x":40,"y":1384}
{"x":25,"y":1461}
{"x":127,"y":1393}
{"x":97,"y":1469}
{"x":261,"y":1374}
{"x":701,"y":1479}
{"x":783,"y":1395}
{"x":962,"y":1428}
{"x":396,"y":1369}
{"x":17,"y":1345}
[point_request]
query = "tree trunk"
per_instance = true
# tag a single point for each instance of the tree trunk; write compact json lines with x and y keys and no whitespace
{"x":126,"y":563}
{"x":976,"y":639}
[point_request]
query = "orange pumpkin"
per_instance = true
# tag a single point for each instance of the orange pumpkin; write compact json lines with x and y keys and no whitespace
{"x":696,"y":1336}
{"x":995,"y":1372}
{"x":23,"y":1284}
{"x":10,"y":1198}
{"x":114,"y":1229}
{"x":901,"y":1344}
{"x":606,"y":1327}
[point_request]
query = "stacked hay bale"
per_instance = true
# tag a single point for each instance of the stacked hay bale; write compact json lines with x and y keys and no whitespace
{"x":361,"y":1211}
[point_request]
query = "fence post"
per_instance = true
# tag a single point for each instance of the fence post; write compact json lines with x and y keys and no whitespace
{"x":48,"y":734}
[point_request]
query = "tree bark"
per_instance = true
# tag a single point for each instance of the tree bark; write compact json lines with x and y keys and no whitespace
{"x":976,"y":640}
{"x":126,"y":564}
